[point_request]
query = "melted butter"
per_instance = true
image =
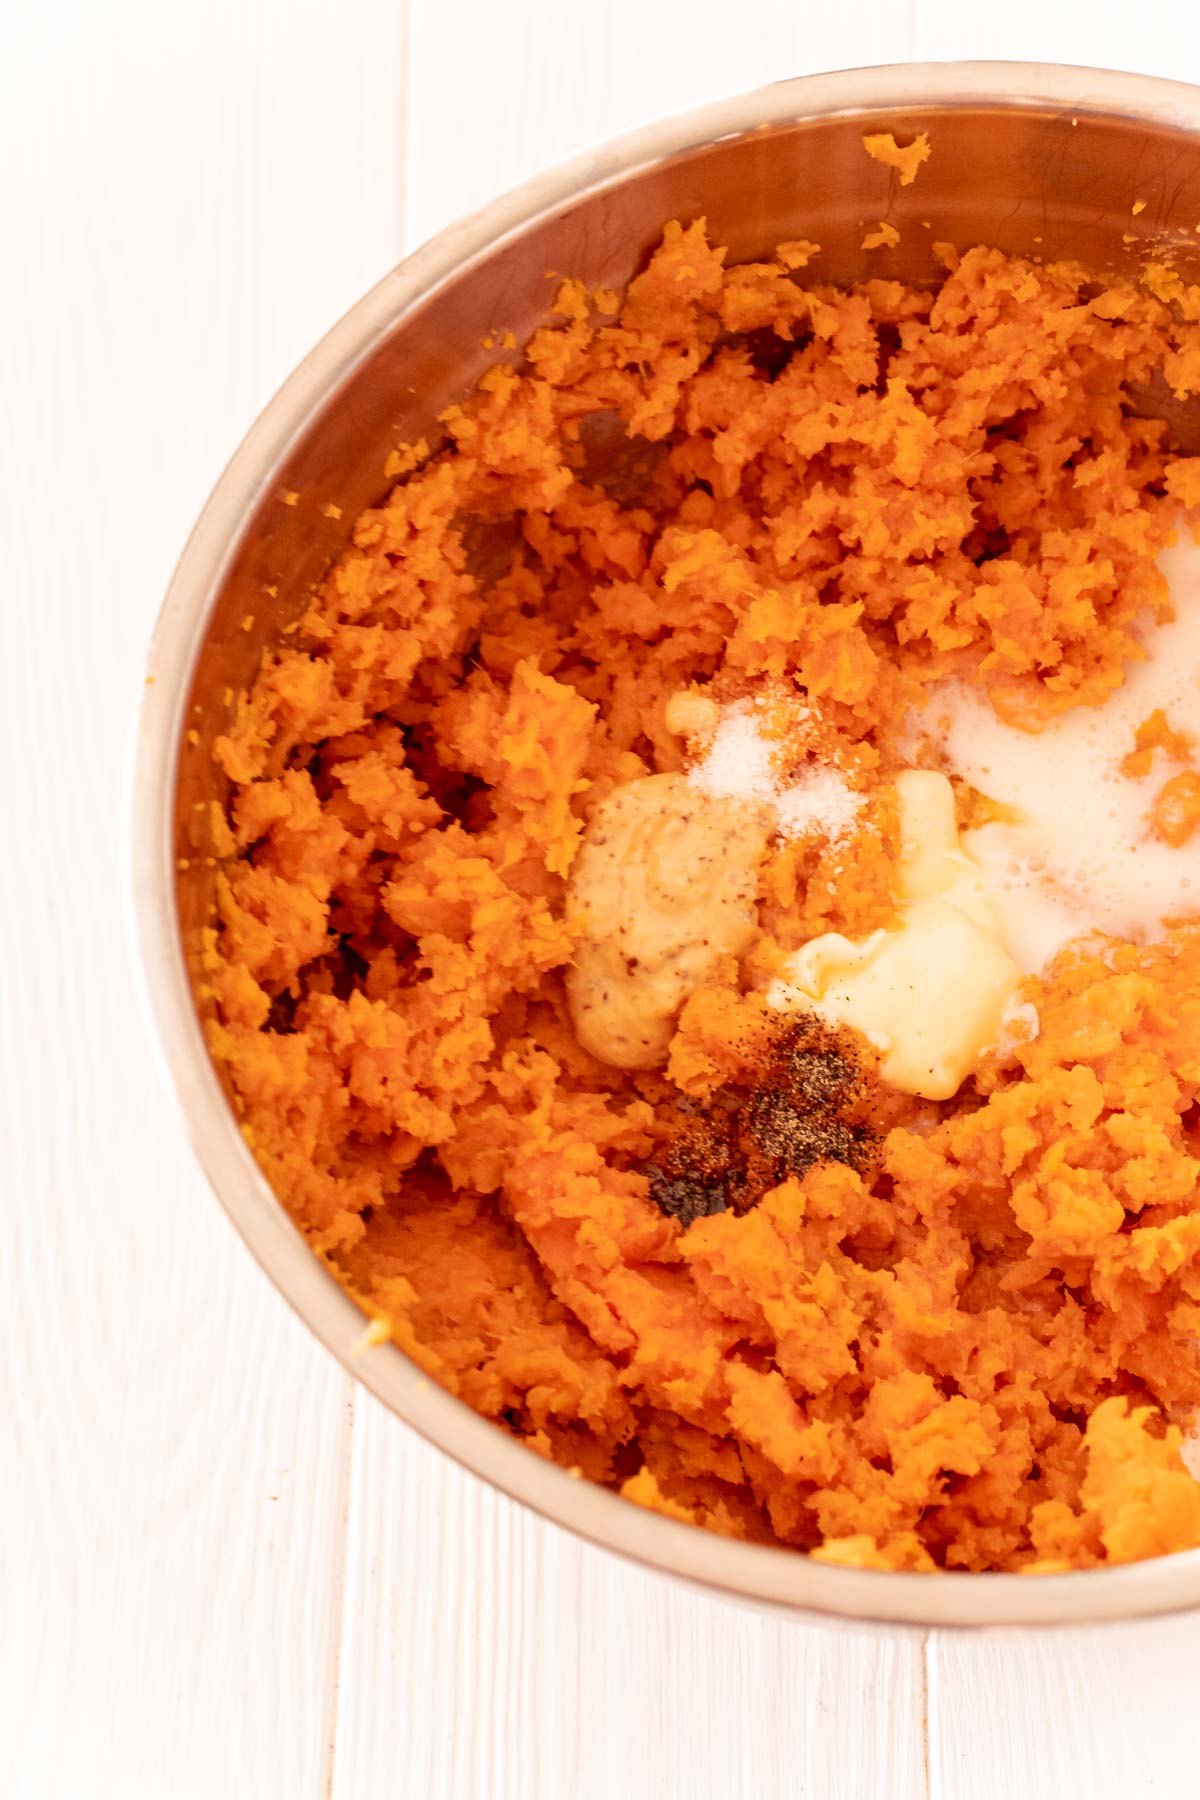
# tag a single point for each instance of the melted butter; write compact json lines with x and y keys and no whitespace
{"x":932,"y":995}
{"x":1078,"y":853}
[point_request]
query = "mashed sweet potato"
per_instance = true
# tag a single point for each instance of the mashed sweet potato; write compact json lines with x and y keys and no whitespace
{"x":979,"y":1350}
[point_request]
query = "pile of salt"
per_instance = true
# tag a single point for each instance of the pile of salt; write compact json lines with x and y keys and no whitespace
{"x":739,"y":764}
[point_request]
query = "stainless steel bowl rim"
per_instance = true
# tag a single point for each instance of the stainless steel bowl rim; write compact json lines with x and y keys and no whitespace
{"x":774,"y":1578}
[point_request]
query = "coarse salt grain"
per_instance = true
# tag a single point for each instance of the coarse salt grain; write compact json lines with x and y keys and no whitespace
{"x":739,"y":764}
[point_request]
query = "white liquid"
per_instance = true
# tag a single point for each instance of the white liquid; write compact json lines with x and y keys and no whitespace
{"x":1084,"y":856}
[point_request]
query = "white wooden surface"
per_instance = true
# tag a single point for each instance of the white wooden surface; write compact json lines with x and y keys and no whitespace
{"x":223,"y":1572}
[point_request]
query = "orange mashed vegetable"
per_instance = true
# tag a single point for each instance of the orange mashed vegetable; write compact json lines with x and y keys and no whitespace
{"x":980,"y":1354}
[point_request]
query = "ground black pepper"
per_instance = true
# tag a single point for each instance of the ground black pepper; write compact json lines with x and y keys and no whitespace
{"x":807,"y":1106}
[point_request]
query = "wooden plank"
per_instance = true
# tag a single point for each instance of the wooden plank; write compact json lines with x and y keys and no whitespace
{"x":1104,"y":1713}
{"x":518,"y":1664}
{"x":541,"y":80}
{"x":1156,"y":38}
{"x":191,"y":196}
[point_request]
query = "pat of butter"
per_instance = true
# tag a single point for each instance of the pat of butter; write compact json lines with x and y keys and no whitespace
{"x":932,"y":994}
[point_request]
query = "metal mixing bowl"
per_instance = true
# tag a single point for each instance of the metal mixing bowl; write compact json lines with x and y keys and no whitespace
{"x":1048,"y":161}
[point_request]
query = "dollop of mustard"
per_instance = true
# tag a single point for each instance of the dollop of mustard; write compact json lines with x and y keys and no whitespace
{"x":662,"y":889}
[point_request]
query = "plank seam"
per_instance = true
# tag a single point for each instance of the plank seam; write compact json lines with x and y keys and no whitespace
{"x":404,"y":206}
{"x":925,"y":1636}
{"x":333,"y":1678}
